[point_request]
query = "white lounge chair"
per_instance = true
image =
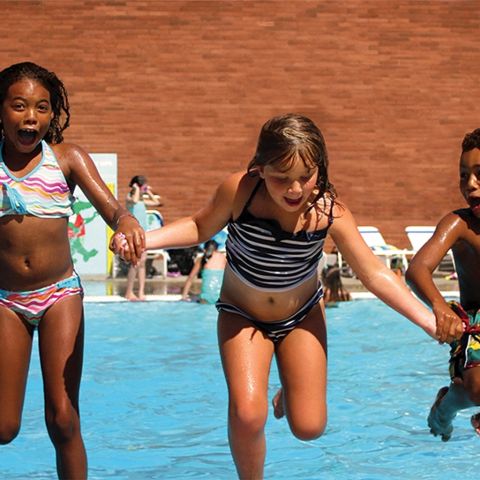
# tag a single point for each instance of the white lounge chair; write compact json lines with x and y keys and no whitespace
{"x":159,"y":255}
{"x":374,"y":239}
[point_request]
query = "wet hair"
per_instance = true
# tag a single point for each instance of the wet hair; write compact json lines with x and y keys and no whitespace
{"x":287,"y":137}
{"x":471,"y":141}
{"x":58,"y":95}
{"x":139,"y":180}
{"x":210,"y":247}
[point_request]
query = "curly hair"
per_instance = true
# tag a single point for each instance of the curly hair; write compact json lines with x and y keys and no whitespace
{"x":58,"y":95}
{"x":286,"y":137}
{"x":471,"y":141}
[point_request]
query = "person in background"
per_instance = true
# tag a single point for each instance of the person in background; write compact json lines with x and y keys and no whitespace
{"x":139,"y":198}
{"x":210,"y":266}
{"x":333,"y":289}
{"x":396,"y":265}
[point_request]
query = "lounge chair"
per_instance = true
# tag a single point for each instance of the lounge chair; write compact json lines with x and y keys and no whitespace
{"x":155,"y":220}
{"x":374,"y":239}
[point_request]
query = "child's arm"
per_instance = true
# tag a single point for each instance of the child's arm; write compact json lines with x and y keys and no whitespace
{"x":80,"y":169}
{"x":419,"y":276}
{"x":379,"y":279}
{"x":201,"y":226}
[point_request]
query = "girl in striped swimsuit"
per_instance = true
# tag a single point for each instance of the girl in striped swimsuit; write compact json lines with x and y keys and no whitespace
{"x":38,"y":286}
{"x":278,"y":214}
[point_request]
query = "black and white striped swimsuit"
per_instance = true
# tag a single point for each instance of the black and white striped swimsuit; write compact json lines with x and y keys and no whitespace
{"x":268,"y":258}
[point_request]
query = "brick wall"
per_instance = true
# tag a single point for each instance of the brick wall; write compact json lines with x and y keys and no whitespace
{"x":180,"y":89}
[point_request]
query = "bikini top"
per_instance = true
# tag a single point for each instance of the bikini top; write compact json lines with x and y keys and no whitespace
{"x":268,"y":258}
{"x":43,"y":192}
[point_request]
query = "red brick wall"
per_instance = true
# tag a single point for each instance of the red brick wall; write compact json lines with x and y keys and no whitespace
{"x":180,"y":89}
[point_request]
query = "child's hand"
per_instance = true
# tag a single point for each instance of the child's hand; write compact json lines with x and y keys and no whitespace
{"x":449,"y":325}
{"x":129,"y":240}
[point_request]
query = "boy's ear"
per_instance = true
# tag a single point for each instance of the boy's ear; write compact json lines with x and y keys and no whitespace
{"x":260,"y":172}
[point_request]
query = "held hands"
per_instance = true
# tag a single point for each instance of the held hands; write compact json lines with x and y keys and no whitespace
{"x":449,"y":325}
{"x":129,"y":239}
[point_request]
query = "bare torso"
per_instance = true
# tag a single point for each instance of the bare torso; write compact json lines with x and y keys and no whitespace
{"x":34,"y":252}
{"x":466,"y":252}
{"x":266,"y":306}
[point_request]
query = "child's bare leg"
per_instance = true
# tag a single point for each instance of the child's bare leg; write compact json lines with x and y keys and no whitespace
{"x":132,"y":273}
{"x":302,"y":363}
{"x":472,"y":385}
{"x":246,"y":358}
{"x":15,"y":350}
{"x":61,"y":356}
{"x":142,"y":274}
{"x":278,"y":405}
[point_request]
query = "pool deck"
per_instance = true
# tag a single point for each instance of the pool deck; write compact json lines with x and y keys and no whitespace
{"x":100,"y":289}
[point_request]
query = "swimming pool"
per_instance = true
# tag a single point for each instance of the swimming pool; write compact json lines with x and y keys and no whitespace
{"x":154,"y":402}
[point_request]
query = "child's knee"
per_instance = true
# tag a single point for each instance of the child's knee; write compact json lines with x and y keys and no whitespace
{"x":8,"y":431}
{"x":248,"y":415}
{"x":62,"y":424}
{"x":308,"y":428}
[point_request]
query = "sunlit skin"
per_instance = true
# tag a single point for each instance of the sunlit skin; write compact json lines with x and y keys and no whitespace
{"x":460,"y":232}
{"x":34,"y":253}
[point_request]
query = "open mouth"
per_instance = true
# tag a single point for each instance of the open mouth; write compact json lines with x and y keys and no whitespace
{"x":26,"y":136}
{"x":293,"y":202}
{"x":474,"y":203}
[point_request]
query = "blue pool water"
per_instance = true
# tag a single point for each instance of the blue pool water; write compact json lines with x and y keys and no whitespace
{"x":154,"y":402}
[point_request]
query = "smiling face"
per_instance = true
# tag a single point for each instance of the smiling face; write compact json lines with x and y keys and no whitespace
{"x":290,"y":188}
{"x":25,"y":113}
{"x":470,"y":179}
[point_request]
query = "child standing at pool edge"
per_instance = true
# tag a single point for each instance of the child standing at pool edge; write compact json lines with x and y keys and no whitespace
{"x":460,"y":232}
{"x":278,"y":214}
{"x":39,"y":288}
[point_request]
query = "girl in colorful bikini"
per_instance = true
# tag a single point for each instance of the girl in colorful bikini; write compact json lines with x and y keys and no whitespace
{"x":278,"y":214}
{"x":39,"y":288}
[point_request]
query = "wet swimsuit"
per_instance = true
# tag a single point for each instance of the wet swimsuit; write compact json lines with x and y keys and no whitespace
{"x":44,"y":193}
{"x":268,"y":258}
{"x":275,"y":330}
{"x":33,"y":304}
{"x":465,"y":353}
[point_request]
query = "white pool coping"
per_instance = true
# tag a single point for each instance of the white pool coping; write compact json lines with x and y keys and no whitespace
{"x":176,"y":298}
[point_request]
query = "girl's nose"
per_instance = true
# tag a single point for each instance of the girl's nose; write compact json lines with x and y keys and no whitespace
{"x":295,"y":187}
{"x":30,"y":116}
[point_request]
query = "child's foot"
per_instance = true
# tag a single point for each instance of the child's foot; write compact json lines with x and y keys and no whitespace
{"x":142,"y":298}
{"x":475,"y":421}
{"x":277,"y":402}
{"x":438,"y":425}
{"x":131,"y":297}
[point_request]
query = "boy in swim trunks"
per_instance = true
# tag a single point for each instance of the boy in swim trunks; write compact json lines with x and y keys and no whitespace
{"x":458,"y":323}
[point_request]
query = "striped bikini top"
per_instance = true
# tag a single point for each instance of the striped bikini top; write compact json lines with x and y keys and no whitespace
{"x":268,"y":258}
{"x":42,"y":193}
